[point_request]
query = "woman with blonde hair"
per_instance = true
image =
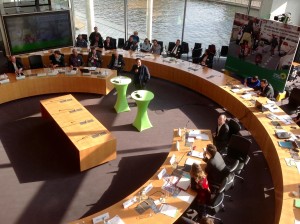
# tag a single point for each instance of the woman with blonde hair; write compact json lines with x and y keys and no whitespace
{"x":199,"y":183}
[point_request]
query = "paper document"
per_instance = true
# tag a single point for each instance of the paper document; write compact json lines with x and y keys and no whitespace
{"x":203,"y":137}
{"x":184,"y":183}
{"x":115,"y":220}
{"x":168,"y":210}
{"x":184,"y":196}
{"x":197,"y":154}
{"x":235,"y":90}
{"x":298,"y":166}
{"x":190,"y":161}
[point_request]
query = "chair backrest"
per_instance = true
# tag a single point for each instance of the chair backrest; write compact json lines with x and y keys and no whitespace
{"x":114,"y":42}
{"x":171,"y":46}
{"x":212,"y":49}
{"x":196,"y":54}
{"x":224,"y":51}
{"x":294,"y":98}
{"x":234,"y":127}
{"x":197,"y":45}
{"x":184,"y":47}
{"x":121,"y":42}
{"x":36,"y":61}
{"x":161,"y":43}
{"x":238,"y":147}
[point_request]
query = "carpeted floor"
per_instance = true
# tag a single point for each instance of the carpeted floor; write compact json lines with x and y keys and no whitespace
{"x":40,"y":181}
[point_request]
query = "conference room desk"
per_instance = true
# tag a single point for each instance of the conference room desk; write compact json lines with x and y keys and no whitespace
{"x":93,"y":143}
{"x":215,"y":85}
{"x":130,"y":215}
{"x":34,"y":85}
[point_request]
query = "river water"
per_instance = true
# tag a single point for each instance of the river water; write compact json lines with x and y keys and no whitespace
{"x":206,"y":22}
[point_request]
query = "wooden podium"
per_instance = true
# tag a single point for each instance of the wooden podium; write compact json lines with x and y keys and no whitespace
{"x":94,"y":144}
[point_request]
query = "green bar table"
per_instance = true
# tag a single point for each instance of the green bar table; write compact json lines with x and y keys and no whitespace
{"x":142,"y":99}
{"x":121,"y":84}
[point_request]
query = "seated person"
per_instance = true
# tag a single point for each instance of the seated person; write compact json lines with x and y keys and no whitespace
{"x":207,"y":59}
{"x":252,"y":82}
{"x":14,"y":66}
{"x":156,"y":48}
{"x":297,"y":119}
{"x":108,"y":44}
{"x":80,"y":42}
{"x":266,"y":89}
{"x":130,"y":45}
{"x":145,"y":46}
{"x":75,"y":59}
{"x":117,"y":62}
{"x":215,"y":169}
{"x":221,"y":136}
{"x":57,"y":59}
{"x":176,"y":51}
{"x":199,"y":183}
{"x":94,"y":58}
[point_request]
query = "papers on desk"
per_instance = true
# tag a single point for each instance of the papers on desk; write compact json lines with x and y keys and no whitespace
{"x":100,"y":218}
{"x":297,"y":221}
{"x":286,"y":119}
{"x":290,"y":161}
{"x":115,"y":220}
{"x":3,"y":81}
{"x":190,"y":161}
{"x":190,"y":140}
{"x":235,"y":90}
{"x":203,"y":137}
{"x":162,"y":173}
{"x":168,"y":210}
{"x":20,"y":77}
{"x":183,"y":183}
{"x":197,"y":154}
{"x":194,"y":133}
{"x":246,"y":96}
{"x":184,"y":196}
{"x":41,"y":74}
{"x":272,"y":107}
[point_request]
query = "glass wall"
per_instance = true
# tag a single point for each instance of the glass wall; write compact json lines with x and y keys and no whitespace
{"x":136,"y":17}
{"x":210,"y":22}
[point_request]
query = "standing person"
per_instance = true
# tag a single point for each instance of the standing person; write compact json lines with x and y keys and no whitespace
{"x":175,"y":52}
{"x":117,"y":62}
{"x":14,"y":66}
{"x":75,"y":59}
{"x":141,"y":74}
{"x":94,"y":58}
{"x":96,"y":39}
{"x":266,"y":89}
{"x":221,"y":136}
{"x":57,"y":59}
{"x":215,"y":168}
{"x":156,"y":48}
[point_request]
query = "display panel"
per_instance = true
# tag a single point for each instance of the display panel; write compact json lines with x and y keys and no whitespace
{"x":38,"y":31}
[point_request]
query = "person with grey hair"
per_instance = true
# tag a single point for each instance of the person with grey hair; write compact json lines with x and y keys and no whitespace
{"x":221,"y":136}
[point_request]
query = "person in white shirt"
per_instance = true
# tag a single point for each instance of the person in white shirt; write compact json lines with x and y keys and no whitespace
{"x":145,"y":46}
{"x":15,"y":66}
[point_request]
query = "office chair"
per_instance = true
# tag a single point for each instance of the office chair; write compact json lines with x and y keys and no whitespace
{"x":234,"y":127}
{"x":114,"y":42}
{"x":121,"y":42}
{"x":293,"y":106}
{"x":85,"y":37}
{"x":171,"y":46}
{"x":238,"y":149}
{"x":161,"y":43}
{"x":185,"y":49}
{"x":224,"y":51}
{"x":197,"y":46}
{"x":196,"y":55}
{"x":35,"y":61}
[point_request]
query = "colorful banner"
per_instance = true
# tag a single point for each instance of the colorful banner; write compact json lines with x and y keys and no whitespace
{"x":262,"y":47}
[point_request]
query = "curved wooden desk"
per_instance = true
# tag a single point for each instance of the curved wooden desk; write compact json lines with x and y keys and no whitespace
{"x":60,"y":83}
{"x":205,"y":81}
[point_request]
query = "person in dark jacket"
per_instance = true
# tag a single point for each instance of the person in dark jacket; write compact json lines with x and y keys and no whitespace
{"x":14,"y":66}
{"x":141,"y":74}
{"x":207,"y":59}
{"x":221,"y":136}
{"x":57,"y":59}
{"x":117,"y":62}
{"x":266,"y":89}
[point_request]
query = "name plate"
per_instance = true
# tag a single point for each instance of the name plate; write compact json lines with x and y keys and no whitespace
{"x":162,"y":173}
{"x":73,"y":72}
{"x":41,"y":75}
{"x":86,"y":74}
{"x":4,"y":81}
{"x":20,"y":77}
{"x":100,"y":218}
{"x":173,"y":159}
{"x":130,"y":202}
{"x":148,"y":188}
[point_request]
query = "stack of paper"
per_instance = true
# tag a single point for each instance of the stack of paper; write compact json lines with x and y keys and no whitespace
{"x":197,"y":154}
{"x":184,"y":196}
{"x":115,"y":220}
{"x":168,"y":210}
{"x":184,"y":183}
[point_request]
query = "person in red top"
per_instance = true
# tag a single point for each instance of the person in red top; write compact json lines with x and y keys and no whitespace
{"x":199,"y":183}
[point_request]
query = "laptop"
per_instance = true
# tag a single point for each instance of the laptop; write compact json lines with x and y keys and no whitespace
{"x":260,"y":107}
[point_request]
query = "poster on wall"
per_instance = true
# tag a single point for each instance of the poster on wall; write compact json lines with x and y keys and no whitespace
{"x":262,"y":47}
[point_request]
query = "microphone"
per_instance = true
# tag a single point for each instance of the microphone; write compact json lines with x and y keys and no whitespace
{"x":187,"y":123}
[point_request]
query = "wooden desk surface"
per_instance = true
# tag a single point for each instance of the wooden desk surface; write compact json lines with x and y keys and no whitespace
{"x":95,"y":144}
{"x":129,"y":215}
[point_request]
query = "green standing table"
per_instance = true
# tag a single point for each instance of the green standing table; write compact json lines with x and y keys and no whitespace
{"x":121,"y":85}
{"x":142,"y":99}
